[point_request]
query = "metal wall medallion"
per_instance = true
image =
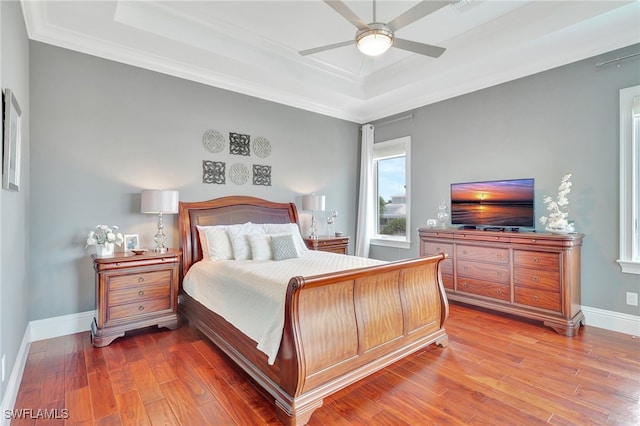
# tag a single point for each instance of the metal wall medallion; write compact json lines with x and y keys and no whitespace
{"x":213,"y":141}
{"x":213,"y":172}
{"x":261,"y":147}
{"x":238,"y":173}
{"x":261,"y":175}
{"x":239,"y":144}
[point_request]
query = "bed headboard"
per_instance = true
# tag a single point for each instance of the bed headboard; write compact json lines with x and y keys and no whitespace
{"x":225,"y":211}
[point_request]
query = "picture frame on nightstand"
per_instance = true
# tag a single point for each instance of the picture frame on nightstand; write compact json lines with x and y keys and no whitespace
{"x":131,"y":242}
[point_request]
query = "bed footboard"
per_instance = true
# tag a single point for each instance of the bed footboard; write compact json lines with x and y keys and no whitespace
{"x":342,"y":327}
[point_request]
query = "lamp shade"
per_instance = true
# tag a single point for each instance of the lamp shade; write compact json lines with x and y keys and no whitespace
{"x":313,"y":202}
{"x":159,"y":201}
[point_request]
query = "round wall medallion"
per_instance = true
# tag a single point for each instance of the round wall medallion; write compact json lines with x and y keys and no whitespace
{"x":261,"y":147}
{"x":213,"y":141}
{"x":238,"y":173}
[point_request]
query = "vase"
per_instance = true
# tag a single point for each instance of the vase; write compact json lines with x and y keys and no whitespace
{"x":105,"y":249}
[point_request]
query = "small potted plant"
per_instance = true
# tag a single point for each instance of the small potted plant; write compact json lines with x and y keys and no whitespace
{"x":104,"y":238}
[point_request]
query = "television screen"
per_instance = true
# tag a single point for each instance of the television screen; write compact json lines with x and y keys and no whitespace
{"x":507,"y":203}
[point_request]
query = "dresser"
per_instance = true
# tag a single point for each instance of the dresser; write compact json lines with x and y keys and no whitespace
{"x":533,"y":275}
{"x":134,"y":291}
{"x":338,"y":245}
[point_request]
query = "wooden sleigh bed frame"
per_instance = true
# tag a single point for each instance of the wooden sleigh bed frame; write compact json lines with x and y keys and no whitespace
{"x":338,"y":327}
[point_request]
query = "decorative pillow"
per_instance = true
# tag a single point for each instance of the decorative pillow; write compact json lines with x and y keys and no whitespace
{"x":261,"y":246}
{"x":215,"y":242}
{"x":238,"y":234}
{"x":283,"y":247}
{"x":287,"y":228}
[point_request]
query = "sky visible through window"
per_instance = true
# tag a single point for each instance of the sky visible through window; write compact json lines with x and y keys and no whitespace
{"x":391,"y":177}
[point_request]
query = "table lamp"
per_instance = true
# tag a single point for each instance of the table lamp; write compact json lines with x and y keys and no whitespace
{"x":313,"y":202}
{"x":159,"y":202}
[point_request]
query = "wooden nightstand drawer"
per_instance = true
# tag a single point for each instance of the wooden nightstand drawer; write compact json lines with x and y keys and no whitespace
{"x":338,"y":245}
{"x":141,"y":278}
{"x":143,"y":292}
{"x":144,"y":307}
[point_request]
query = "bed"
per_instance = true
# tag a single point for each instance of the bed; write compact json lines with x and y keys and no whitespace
{"x":337,"y":328}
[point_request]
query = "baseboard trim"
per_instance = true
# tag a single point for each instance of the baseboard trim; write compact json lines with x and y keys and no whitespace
{"x":13,"y":385}
{"x":61,"y":326}
{"x":613,"y":321}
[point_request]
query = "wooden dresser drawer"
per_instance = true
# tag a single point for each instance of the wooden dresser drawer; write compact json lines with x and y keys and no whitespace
{"x":485,"y":254}
{"x":537,"y":278}
{"x":537,"y":298}
{"x":141,"y":278}
{"x":484,"y":271}
{"x":437,"y":248}
{"x":143,"y":292}
{"x":484,"y":288}
{"x":447,"y":281}
{"x":143,"y":307}
{"x":536,"y":259}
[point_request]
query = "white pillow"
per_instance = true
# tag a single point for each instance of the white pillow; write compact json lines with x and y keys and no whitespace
{"x":215,"y":242}
{"x":260,"y":247}
{"x":238,"y":234}
{"x":287,"y":228}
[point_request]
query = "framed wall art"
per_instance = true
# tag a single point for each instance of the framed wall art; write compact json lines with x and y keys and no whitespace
{"x":11,"y":142}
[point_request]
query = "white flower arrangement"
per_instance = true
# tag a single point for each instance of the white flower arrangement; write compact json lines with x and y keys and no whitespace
{"x":104,"y":234}
{"x":559,"y":210}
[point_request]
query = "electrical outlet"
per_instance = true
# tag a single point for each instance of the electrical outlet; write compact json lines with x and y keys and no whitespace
{"x":4,"y":361}
{"x":632,"y":299}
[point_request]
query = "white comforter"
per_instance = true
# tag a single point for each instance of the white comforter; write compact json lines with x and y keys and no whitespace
{"x":250,"y":294}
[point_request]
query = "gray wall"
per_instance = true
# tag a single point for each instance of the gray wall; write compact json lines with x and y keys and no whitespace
{"x":562,"y":120}
{"x":103,"y":131}
{"x":14,"y":211}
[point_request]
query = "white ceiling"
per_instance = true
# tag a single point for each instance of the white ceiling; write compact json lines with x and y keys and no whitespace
{"x":251,"y":46}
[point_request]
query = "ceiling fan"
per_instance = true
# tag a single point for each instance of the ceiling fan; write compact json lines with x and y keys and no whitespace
{"x":375,"y":38}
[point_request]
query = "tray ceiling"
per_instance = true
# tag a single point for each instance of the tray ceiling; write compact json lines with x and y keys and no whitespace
{"x":251,"y":47}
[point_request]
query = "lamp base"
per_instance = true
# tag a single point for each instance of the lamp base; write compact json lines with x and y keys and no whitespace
{"x":160,"y":250}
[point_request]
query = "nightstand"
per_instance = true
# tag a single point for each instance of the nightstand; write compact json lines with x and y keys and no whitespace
{"x":135,"y":291}
{"x":338,"y":245}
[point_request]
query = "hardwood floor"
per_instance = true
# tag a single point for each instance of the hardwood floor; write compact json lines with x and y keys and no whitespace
{"x":497,"y":370}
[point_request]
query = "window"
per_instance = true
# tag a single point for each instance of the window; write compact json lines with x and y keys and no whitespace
{"x":630,"y":180}
{"x":391,"y":173}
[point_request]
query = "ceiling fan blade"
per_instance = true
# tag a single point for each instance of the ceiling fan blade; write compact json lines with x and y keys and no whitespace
{"x":418,"y":11}
{"x":327,"y":47}
{"x":347,"y":14}
{"x":421,"y":48}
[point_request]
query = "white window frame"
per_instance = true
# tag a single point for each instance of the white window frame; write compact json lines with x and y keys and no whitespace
{"x":629,"y":182}
{"x":393,"y":240}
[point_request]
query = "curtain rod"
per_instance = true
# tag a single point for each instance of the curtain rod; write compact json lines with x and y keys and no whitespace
{"x":600,"y":64}
{"x":393,"y":120}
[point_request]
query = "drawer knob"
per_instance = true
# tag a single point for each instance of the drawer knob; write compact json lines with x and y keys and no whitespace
{"x":499,"y":256}
{"x":140,"y":279}
{"x":466,"y":268}
{"x":141,"y":308}
{"x":499,"y":273}
{"x":141,"y":293}
{"x":437,"y":249}
{"x":536,"y":260}
{"x":499,"y":291}
{"x":535,"y":278}
{"x":464,"y":285}
{"x":536,"y":298}
{"x":465,"y":252}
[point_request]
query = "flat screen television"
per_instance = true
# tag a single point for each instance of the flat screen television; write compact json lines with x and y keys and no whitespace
{"x":497,"y":203}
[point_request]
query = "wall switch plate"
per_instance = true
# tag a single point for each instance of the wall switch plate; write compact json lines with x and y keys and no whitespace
{"x":632,"y":299}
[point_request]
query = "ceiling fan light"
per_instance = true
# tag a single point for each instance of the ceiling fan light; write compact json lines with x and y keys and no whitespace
{"x":374,"y":41}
